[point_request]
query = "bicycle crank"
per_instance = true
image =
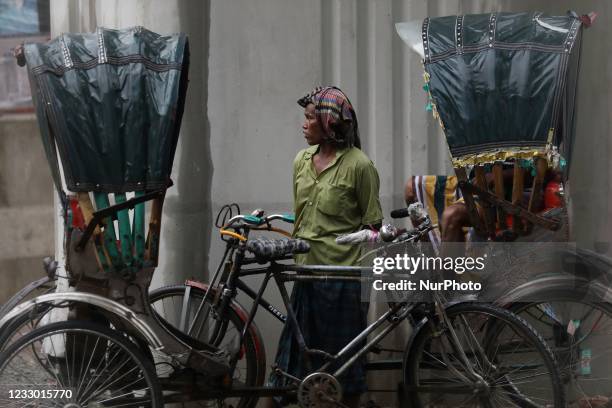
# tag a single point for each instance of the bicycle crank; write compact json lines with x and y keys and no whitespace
{"x":320,"y":390}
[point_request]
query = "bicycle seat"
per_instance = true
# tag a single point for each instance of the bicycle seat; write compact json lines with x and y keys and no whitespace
{"x":269,"y":249}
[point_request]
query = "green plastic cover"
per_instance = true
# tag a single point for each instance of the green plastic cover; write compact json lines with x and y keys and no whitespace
{"x":503,"y":84}
{"x":112,"y":102}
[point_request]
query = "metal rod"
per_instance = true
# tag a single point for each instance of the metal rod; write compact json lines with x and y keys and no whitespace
{"x":291,"y":318}
{"x":356,"y":270}
{"x":370,"y":329}
{"x":206,"y":295}
{"x":368,"y":346}
{"x":263,"y":302}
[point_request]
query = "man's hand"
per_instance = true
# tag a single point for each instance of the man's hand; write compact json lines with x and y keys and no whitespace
{"x":365,"y":235}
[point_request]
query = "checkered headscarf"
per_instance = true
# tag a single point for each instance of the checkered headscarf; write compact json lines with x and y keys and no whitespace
{"x":335,"y":114}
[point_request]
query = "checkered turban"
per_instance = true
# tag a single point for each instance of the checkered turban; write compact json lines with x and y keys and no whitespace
{"x":335,"y":114}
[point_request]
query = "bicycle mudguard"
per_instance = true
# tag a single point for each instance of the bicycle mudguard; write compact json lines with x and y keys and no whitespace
{"x":539,"y":290}
{"x":22,"y":294}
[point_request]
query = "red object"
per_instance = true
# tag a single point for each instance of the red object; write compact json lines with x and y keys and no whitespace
{"x":509,"y":221}
{"x":588,"y":19}
{"x":551,"y":195}
{"x":78,"y":221}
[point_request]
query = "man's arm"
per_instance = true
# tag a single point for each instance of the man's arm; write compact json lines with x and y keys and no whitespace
{"x":367,"y":191}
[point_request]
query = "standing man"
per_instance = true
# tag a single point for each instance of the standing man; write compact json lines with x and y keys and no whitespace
{"x":335,"y":191}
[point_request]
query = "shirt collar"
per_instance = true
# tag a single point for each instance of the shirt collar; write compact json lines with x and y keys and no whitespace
{"x":312,"y":150}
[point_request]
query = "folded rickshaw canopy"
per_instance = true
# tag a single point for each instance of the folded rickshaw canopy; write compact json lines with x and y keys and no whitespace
{"x":503,"y":84}
{"x":112,"y":102}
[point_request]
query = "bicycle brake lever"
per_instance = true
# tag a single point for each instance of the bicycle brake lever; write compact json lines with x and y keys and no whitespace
{"x":258,"y":212}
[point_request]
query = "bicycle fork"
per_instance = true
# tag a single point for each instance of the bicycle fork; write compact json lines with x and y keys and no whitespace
{"x":456,"y":345}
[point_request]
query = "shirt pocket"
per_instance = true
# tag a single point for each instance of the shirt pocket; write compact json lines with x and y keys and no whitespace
{"x":335,"y":200}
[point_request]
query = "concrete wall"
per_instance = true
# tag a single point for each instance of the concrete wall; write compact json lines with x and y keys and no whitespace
{"x":26,"y":204}
{"x":251,"y":60}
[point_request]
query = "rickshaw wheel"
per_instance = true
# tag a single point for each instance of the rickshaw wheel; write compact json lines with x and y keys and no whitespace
{"x":21,"y":326}
{"x":579,"y":332}
{"x":77,"y":364}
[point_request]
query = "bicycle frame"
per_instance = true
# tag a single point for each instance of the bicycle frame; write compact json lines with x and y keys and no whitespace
{"x":231,"y":282}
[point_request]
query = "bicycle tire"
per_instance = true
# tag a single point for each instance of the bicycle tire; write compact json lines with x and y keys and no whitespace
{"x":116,"y":381}
{"x":253,"y":349}
{"x":43,"y":285}
{"x":499,"y":385}
{"x":579,"y":333}
{"x":20,"y":326}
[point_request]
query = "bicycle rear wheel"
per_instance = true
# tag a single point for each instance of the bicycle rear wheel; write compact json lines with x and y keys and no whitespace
{"x":179,"y":306}
{"x":497,"y":360}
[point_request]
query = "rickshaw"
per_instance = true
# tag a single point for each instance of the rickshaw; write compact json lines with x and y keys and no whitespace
{"x":503,"y":88}
{"x":109,"y":105}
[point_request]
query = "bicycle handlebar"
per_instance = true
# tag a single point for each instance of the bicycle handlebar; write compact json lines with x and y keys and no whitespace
{"x":392,"y":234}
{"x":257,"y":221}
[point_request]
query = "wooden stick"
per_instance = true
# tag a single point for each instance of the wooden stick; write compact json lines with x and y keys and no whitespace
{"x":518,"y":186}
{"x":87,"y":210}
{"x":481,"y":182}
{"x":152,"y":243}
{"x":498,"y":178}
{"x":536,"y":190}
{"x":483,"y":195}
{"x":473,"y":215}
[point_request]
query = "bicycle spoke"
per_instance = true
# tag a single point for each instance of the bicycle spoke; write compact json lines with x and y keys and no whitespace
{"x":510,"y":369}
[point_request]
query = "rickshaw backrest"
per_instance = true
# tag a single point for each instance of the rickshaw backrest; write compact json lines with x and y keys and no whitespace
{"x":109,"y":106}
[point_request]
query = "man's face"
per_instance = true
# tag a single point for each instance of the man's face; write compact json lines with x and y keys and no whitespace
{"x":311,"y":127}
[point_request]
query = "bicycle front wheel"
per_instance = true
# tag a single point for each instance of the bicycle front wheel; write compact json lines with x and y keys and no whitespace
{"x":484,"y":356}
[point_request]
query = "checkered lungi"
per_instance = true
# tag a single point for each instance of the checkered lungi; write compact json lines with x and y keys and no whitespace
{"x":330,"y":315}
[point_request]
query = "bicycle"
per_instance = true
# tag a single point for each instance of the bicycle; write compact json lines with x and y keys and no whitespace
{"x":565,"y":301}
{"x":444,"y":343}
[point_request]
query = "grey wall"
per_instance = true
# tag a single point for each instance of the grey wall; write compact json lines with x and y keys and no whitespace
{"x":251,"y":60}
{"x":26,"y":204}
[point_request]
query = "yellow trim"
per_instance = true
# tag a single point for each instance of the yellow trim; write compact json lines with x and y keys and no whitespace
{"x":434,"y":108}
{"x":232,"y":234}
{"x":499,"y":155}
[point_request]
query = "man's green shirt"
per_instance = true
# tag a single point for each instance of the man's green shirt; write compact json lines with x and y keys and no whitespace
{"x":341,"y":199}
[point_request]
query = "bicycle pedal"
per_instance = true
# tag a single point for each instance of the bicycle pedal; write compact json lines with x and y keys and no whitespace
{"x":276,"y":370}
